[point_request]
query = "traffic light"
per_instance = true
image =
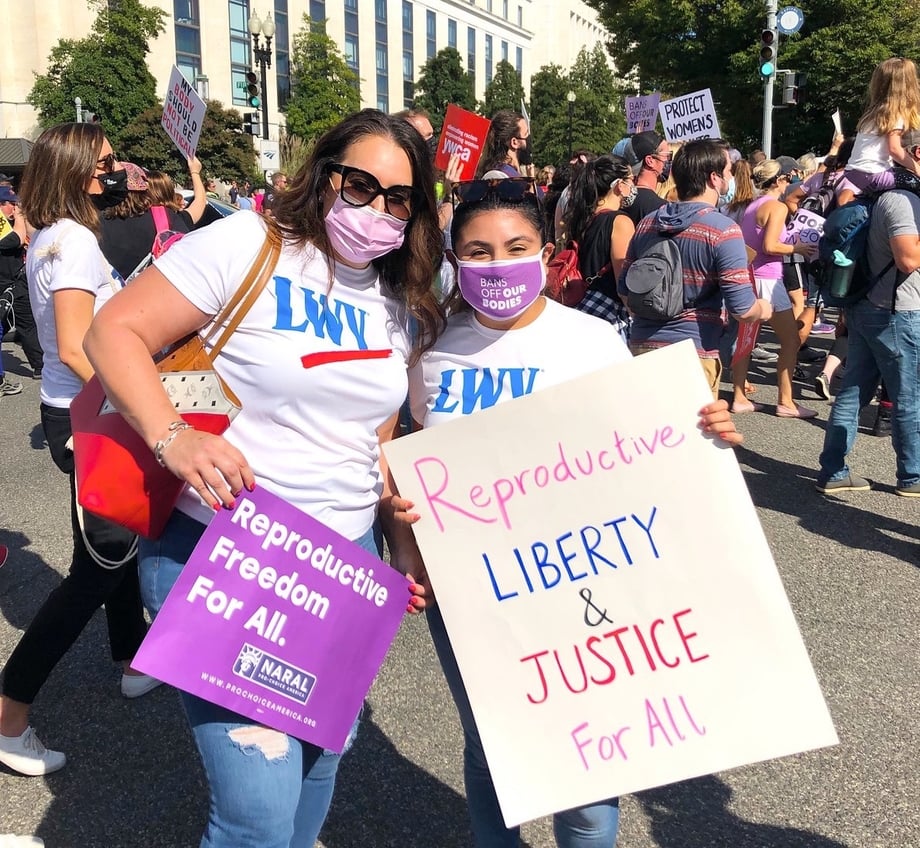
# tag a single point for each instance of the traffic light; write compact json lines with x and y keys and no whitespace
{"x":790,"y":89}
{"x":769,"y":42}
{"x":253,"y":90}
{"x":793,"y":87}
{"x":252,"y":123}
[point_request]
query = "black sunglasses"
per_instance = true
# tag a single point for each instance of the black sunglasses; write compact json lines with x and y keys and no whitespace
{"x":359,"y":188}
{"x":107,"y":162}
{"x":511,"y":190}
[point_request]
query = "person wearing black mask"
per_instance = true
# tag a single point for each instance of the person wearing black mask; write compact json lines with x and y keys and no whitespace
{"x":653,"y":158}
{"x":70,"y":174}
{"x":507,"y":147}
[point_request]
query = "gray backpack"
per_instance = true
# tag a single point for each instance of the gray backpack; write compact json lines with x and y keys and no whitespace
{"x":655,"y":281}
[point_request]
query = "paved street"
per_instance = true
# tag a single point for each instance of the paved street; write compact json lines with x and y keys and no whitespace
{"x":851,"y":566}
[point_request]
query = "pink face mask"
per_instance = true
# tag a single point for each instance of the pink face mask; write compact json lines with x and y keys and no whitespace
{"x":360,"y":234}
{"x":503,"y":289}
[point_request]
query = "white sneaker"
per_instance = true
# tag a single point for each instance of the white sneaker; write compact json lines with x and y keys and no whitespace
{"x":11,"y":840}
{"x":135,"y":685}
{"x":27,"y":755}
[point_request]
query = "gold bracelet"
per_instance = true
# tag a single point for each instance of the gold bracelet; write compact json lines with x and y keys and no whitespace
{"x":174,"y":429}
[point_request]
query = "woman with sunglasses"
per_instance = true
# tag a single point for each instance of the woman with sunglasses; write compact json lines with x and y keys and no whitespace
{"x":498,"y":230}
{"x":70,"y":176}
{"x":319,"y":364}
{"x":763,"y":223}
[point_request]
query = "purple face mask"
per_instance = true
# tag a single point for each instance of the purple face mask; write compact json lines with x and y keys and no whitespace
{"x":503,"y":289}
{"x":361,"y":234}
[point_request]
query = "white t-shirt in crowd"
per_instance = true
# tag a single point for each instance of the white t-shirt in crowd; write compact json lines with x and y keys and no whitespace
{"x":472,"y":367}
{"x":871,"y":153}
{"x":308,"y":426}
{"x":65,"y":255}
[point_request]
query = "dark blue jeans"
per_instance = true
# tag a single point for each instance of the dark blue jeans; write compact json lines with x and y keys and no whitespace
{"x":887,"y":345}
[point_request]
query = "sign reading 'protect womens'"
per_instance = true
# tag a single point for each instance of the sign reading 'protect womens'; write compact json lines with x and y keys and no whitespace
{"x":278,"y":618}
{"x":608,"y":591}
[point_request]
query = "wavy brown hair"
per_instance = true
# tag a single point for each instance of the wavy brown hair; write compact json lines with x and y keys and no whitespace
{"x":60,"y":164}
{"x":162,"y":191}
{"x":407,"y":273}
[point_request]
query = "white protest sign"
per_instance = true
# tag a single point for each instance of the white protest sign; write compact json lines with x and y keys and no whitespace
{"x":804,"y":227}
{"x":183,"y":113}
{"x":642,"y":112}
{"x":690,"y":116}
{"x":609,"y":594}
{"x":838,"y":122}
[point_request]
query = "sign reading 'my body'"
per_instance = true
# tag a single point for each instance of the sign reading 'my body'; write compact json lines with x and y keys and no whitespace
{"x":608,"y":591}
{"x":277,"y":617}
{"x":183,"y":114}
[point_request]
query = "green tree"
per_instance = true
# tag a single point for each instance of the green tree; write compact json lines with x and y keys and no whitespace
{"x":675,"y":46}
{"x":107,"y":70}
{"x":323,"y":88}
{"x":443,"y":81}
{"x":505,"y":91}
{"x":598,"y":118}
{"x":225,"y":152}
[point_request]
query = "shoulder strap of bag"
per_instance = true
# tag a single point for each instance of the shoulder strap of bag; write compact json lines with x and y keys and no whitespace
{"x":246,"y":294}
{"x":160,"y":218}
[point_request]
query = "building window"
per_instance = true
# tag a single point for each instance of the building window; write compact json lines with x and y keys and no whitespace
{"x":318,"y":16}
{"x":451,"y":33}
{"x":504,"y":51}
{"x":282,"y":47}
{"x":408,"y":55}
{"x":488,"y":59}
{"x":520,"y":16}
{"x":351,"y":36}
{"x":519,"y":60}
{"x":240,"y":50}
{"x":382,"y":60}
{"x":489,"y":6}
{"x":471,"y":53}
{"x":431,"y":29}
{"x":505,"y":9}
{"x":188,"y":38}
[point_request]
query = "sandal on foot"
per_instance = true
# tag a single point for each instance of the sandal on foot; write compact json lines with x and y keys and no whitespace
{"x":749,"y":389}
{"x":738,"y":408}
{"x":797,"y":411}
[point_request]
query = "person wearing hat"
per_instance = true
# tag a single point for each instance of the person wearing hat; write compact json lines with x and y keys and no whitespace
{"x":13,"y":276}
{"x":653,"y":165}
{"x":128,"y":229}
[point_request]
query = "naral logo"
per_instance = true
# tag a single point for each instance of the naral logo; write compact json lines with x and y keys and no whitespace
{"x":275,"y":674}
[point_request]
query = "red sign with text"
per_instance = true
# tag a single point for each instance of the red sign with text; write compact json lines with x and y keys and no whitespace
{"x":463,"y":133}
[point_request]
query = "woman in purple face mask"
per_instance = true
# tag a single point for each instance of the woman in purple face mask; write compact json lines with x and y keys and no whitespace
{"x":504,"y":340}
{"x":318,"y":362}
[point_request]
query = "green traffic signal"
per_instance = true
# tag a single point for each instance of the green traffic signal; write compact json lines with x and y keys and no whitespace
{"x":767,"y":69}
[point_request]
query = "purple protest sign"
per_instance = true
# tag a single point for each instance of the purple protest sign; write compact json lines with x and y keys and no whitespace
{"x":278,"y":618}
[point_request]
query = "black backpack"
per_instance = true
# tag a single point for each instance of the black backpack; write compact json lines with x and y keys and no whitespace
{"x":655,"y":281}
{"x":823,"y":201}
{"x":844,"y":265}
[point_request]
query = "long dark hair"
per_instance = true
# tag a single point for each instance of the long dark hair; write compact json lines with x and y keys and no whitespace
{"x":54,"y":181}
{"x":406,"y":273}
{"x":506,"y":124}
{"x":590,"y":183}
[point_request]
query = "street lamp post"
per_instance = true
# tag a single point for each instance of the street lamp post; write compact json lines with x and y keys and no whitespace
{"x":570,"y":97}
{"x":263,"y":55}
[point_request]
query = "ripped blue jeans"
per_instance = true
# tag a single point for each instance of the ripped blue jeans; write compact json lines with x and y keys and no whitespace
{"x":268,"y":789}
